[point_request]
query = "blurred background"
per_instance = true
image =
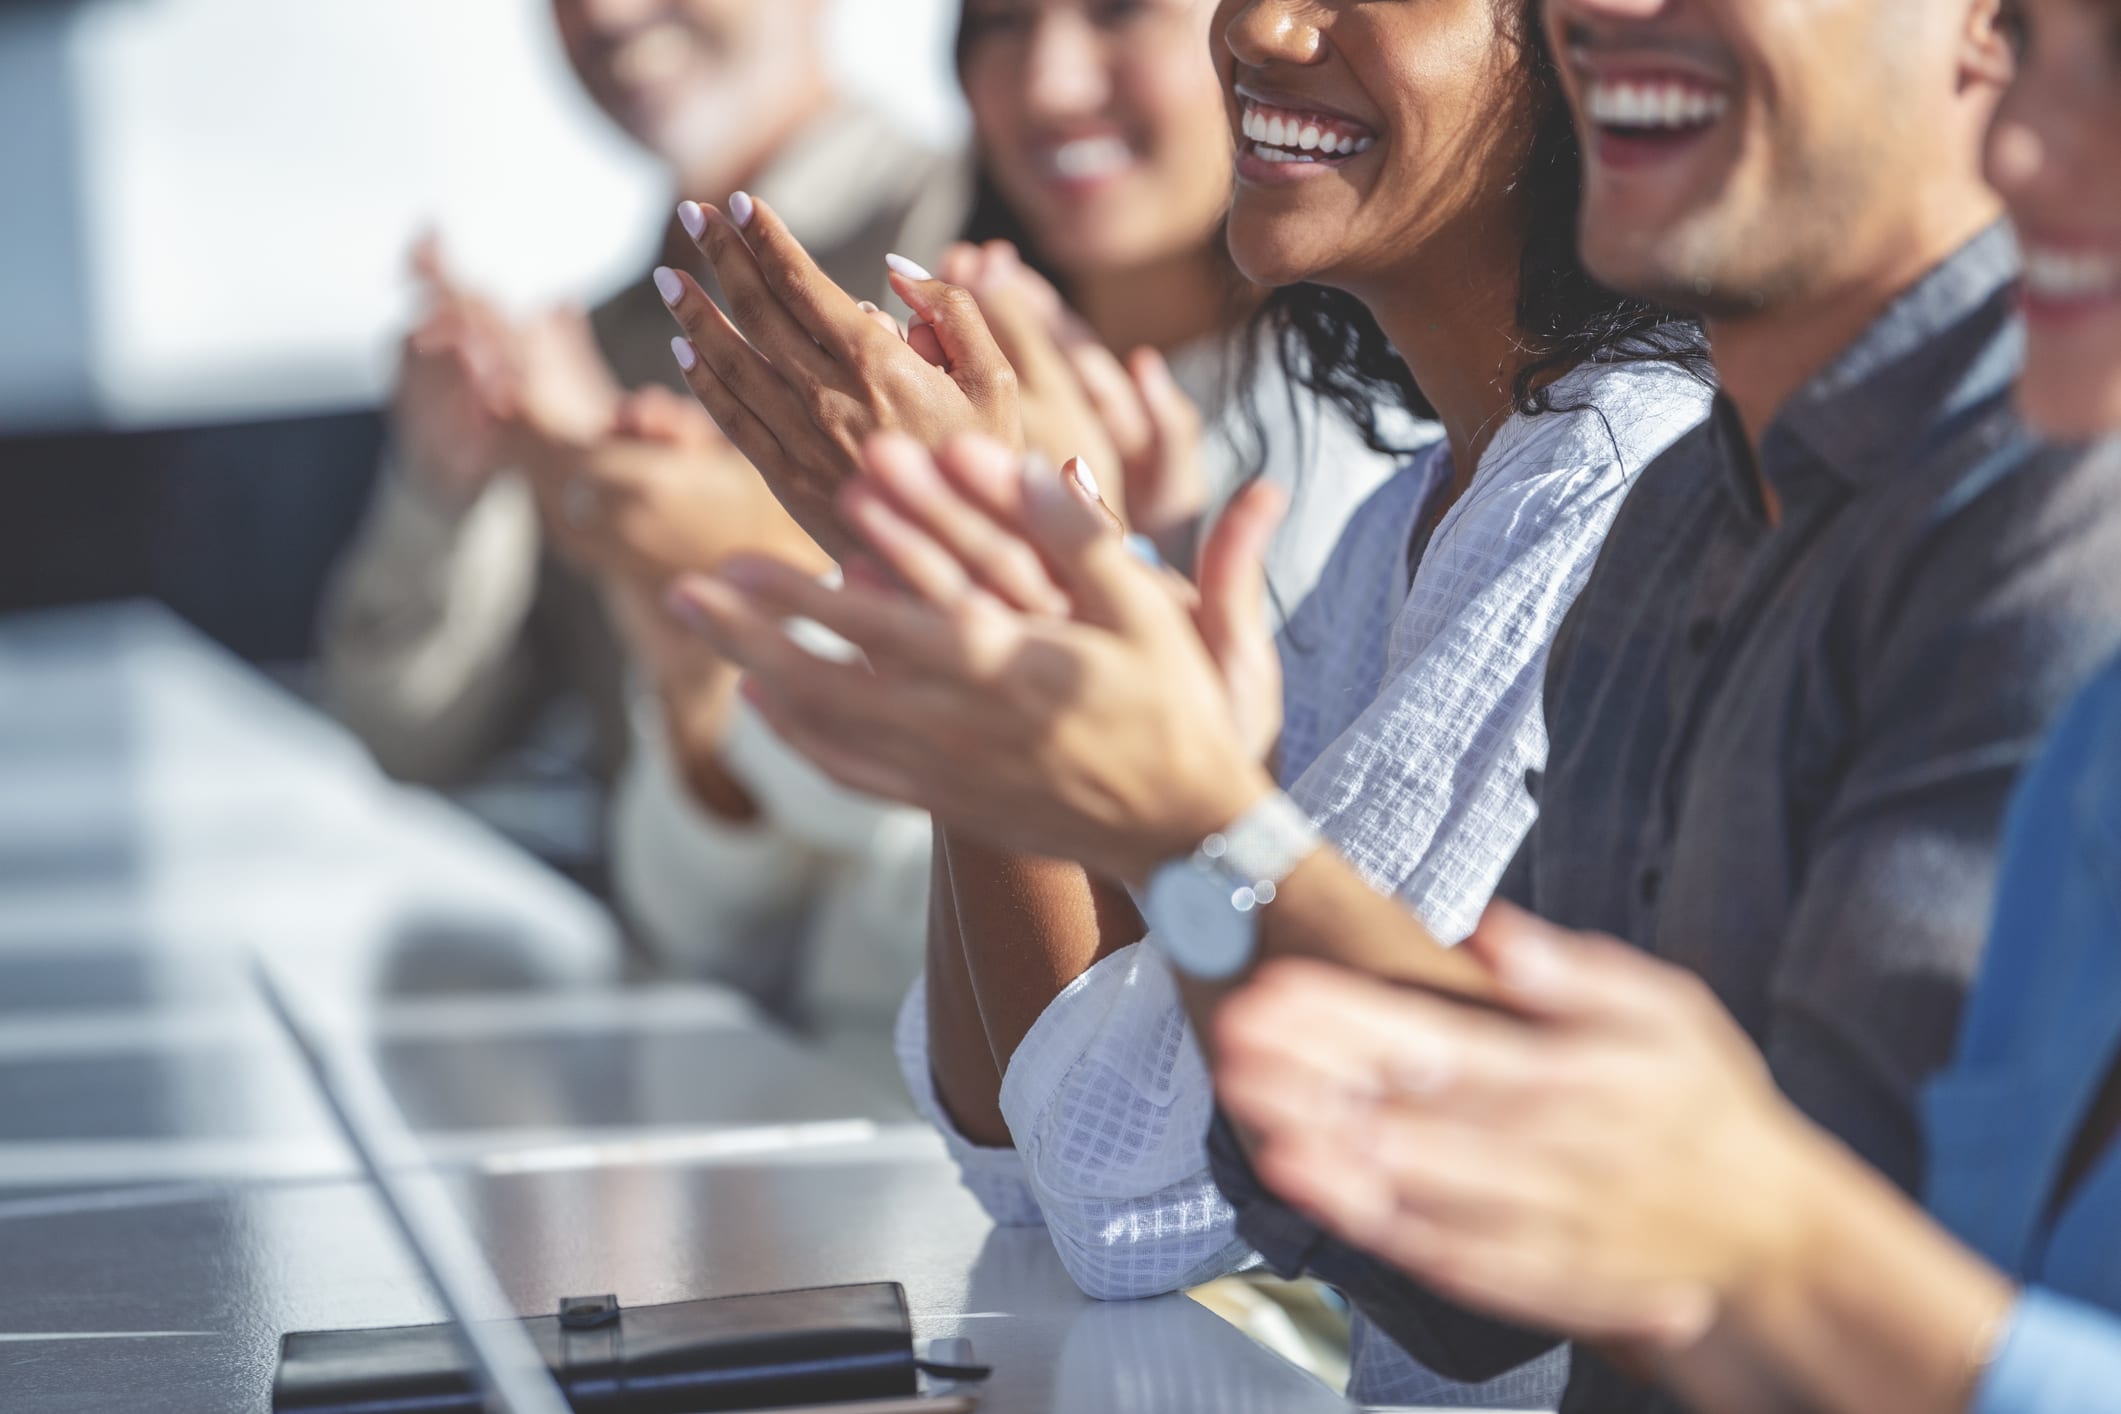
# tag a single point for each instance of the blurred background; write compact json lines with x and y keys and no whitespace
{"x":206,"y":207}
{"x":207,"y":210}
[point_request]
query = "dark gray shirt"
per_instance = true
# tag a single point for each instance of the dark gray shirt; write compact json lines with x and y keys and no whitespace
{"x":1781,"y":753}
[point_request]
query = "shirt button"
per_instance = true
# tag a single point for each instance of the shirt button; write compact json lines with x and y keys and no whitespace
{"x":1651,"y":885}
{"x":1701,"y":635}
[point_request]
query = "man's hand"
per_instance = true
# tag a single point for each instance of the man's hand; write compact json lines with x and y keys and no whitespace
{"x":457,"y":386}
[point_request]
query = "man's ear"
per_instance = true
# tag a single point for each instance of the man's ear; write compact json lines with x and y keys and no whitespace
{"x":1985,"y":55}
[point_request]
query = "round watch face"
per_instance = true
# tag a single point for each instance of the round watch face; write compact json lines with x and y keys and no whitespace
{"x":1198,"y":922}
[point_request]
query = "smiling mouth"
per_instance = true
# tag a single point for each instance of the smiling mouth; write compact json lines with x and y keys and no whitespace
{"x":651,"y":57}
{"x":1653,"y":108}
{"x":2056,"y":277}
{"x":1088,"y":159}
{"x":1285,"y":135}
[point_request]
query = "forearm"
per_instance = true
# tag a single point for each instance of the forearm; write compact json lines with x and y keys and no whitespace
{"x":697,"y":705}
{"x":1030,"y":927}
{"x":967,"y":1080}
{"x":1870,"y":1308}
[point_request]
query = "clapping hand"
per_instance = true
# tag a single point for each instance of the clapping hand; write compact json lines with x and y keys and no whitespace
{"x":799,"y":375}
{"x":1604,"y":1154}
{"x":1039,"y":686}
{"x":457,"y":385}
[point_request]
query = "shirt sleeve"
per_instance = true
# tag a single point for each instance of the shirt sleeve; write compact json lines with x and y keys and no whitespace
{"x":994,"y":1176}
{"x":2061,"y":1357}
{"x":1980,"y":642}
{"x":1108,"y":1097}
{"x":424,"y":652}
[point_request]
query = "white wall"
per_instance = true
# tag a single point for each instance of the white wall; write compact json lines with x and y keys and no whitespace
{"x":225,"y":238}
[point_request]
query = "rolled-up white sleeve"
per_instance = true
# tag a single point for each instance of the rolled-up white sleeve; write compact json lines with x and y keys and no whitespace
{"x":994,"y":1176}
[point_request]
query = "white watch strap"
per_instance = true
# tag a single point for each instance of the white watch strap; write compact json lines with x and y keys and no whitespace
{"x":1263,"y":846}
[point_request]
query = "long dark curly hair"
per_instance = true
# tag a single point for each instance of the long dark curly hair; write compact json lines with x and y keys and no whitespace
{"x":1329,"y":343}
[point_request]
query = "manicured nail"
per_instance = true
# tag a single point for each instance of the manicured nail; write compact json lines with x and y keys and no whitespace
{"x":692,"y":219}
{"x":668,"y":286}
{"x":678,"y":604}
{"x":902,"y":266}
{"x":1142,"y":548}
{"x":866,"y":307}
{"x":688,"y":357}
{"x":1086,"y":479}
{"x":740,"y":208}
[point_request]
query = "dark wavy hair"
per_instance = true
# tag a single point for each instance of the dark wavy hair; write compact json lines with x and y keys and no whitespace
{"x":1329,"y":343}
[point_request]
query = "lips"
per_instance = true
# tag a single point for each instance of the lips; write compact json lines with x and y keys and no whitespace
{"x":2064,"y":276}
{"x":652,"y":57}
{"x":1294,"y":135}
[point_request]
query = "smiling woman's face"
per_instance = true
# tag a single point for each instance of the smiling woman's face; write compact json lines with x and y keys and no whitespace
{"x":2055,"y":155}
{"x":1101,"y":124}
{"x":1367,"y":128}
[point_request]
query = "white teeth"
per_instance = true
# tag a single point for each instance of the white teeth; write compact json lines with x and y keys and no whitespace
{"x":1091,"y":157}
{"x":1280,"y":139}
{"x":2071,"y":275}
{"x":1653,"y":104}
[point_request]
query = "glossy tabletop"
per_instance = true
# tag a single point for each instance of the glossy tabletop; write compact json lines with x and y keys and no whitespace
{"x":173,"y":1198}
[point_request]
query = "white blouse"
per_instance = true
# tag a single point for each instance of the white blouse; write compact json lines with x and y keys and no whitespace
{"x":1412,"y":717}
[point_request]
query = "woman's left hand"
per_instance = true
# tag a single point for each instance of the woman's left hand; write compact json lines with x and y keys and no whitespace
{"x":1612,"y":1161}
{"x":799,"y":375}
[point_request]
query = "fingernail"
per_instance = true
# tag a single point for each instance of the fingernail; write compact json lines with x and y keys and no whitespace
{"x":688,"y":357}
{"x":901,"y":266}
{"x":1144,"y":549}
{"x":692,"y":219}
{"x":1086,"y":479}
{"x":867,"y":308}
{"x":1534,"y":966}
{"x":680,"y":607}
{"x":740,"y":208}
{"x":667,"y":285}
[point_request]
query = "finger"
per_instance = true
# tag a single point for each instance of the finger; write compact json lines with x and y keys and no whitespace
{"x":1022,"y":336}
{"x":1554,"y":973}
{"x":746,"y":430}
{"x":1174,"y":416}
{"x":951,"y":312}
{"x":921,"y":338}
{"x":962,"y":264}
{"x":748,"y":299}
{"x":853,"y":769}
{"x":1112,"y":393}
{"x":1107,"y":584}
{"x":921,"y":564}
{"x":997,"y":558}
{"x":830,"y":316}
{"x":1233,"y":574}
{"x":1077,"y":473}
{"x":883,"y":320}
{"x":893,"y":631}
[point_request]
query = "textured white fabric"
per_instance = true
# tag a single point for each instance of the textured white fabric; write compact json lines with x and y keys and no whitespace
{"x":1412,"y":719}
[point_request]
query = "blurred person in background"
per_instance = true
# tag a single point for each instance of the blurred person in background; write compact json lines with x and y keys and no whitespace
{"x":541,"y":486}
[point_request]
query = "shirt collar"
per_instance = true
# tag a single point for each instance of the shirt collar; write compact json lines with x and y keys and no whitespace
{"x":1946,"y":345}
{"x":831,"y":178}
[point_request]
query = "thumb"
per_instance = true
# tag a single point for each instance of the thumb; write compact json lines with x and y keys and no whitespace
{"x":970,"y":354}
{"x":1107,"y":584}
{"x":1554,"y":974}
{"x":1233,"y":572}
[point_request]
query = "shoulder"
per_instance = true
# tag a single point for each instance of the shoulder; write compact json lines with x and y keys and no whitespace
{"x":1620,"y":417}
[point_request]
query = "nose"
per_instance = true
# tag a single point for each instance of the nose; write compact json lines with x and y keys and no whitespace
{"x":1261,"y":33}
{"x":1067,"y":71}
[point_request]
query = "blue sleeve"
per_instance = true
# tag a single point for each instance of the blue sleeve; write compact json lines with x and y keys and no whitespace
{"x":2061,"y":1357}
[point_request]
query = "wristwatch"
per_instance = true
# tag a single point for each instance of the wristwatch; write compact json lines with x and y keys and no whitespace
{"x":1203,"y":910}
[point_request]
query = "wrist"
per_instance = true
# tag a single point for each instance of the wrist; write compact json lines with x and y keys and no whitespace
{"x":1221,"y":799}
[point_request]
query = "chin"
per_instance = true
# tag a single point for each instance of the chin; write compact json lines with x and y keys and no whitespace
{"x":2065,"y":398}
{"x":1273,"y":253}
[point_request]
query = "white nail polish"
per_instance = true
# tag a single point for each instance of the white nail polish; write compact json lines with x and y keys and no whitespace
{"x":1086,"y":479}
{"x":692,"y":219}
{"x":740,"y":208}
{"x":688,"y":357}
{"x":667,"y":285}
{"x":902,"y":266}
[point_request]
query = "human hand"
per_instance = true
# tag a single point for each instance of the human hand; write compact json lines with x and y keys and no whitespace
{"x":799,"y":374}
{"x":565,"y":391}
{"x":961,"y":518}
{"x":1153,"y":428}
{"x":1107,"y":738}
{"x":661,"y":494}
{"x":1607,"y":1156}
{"x":457,"y":385}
